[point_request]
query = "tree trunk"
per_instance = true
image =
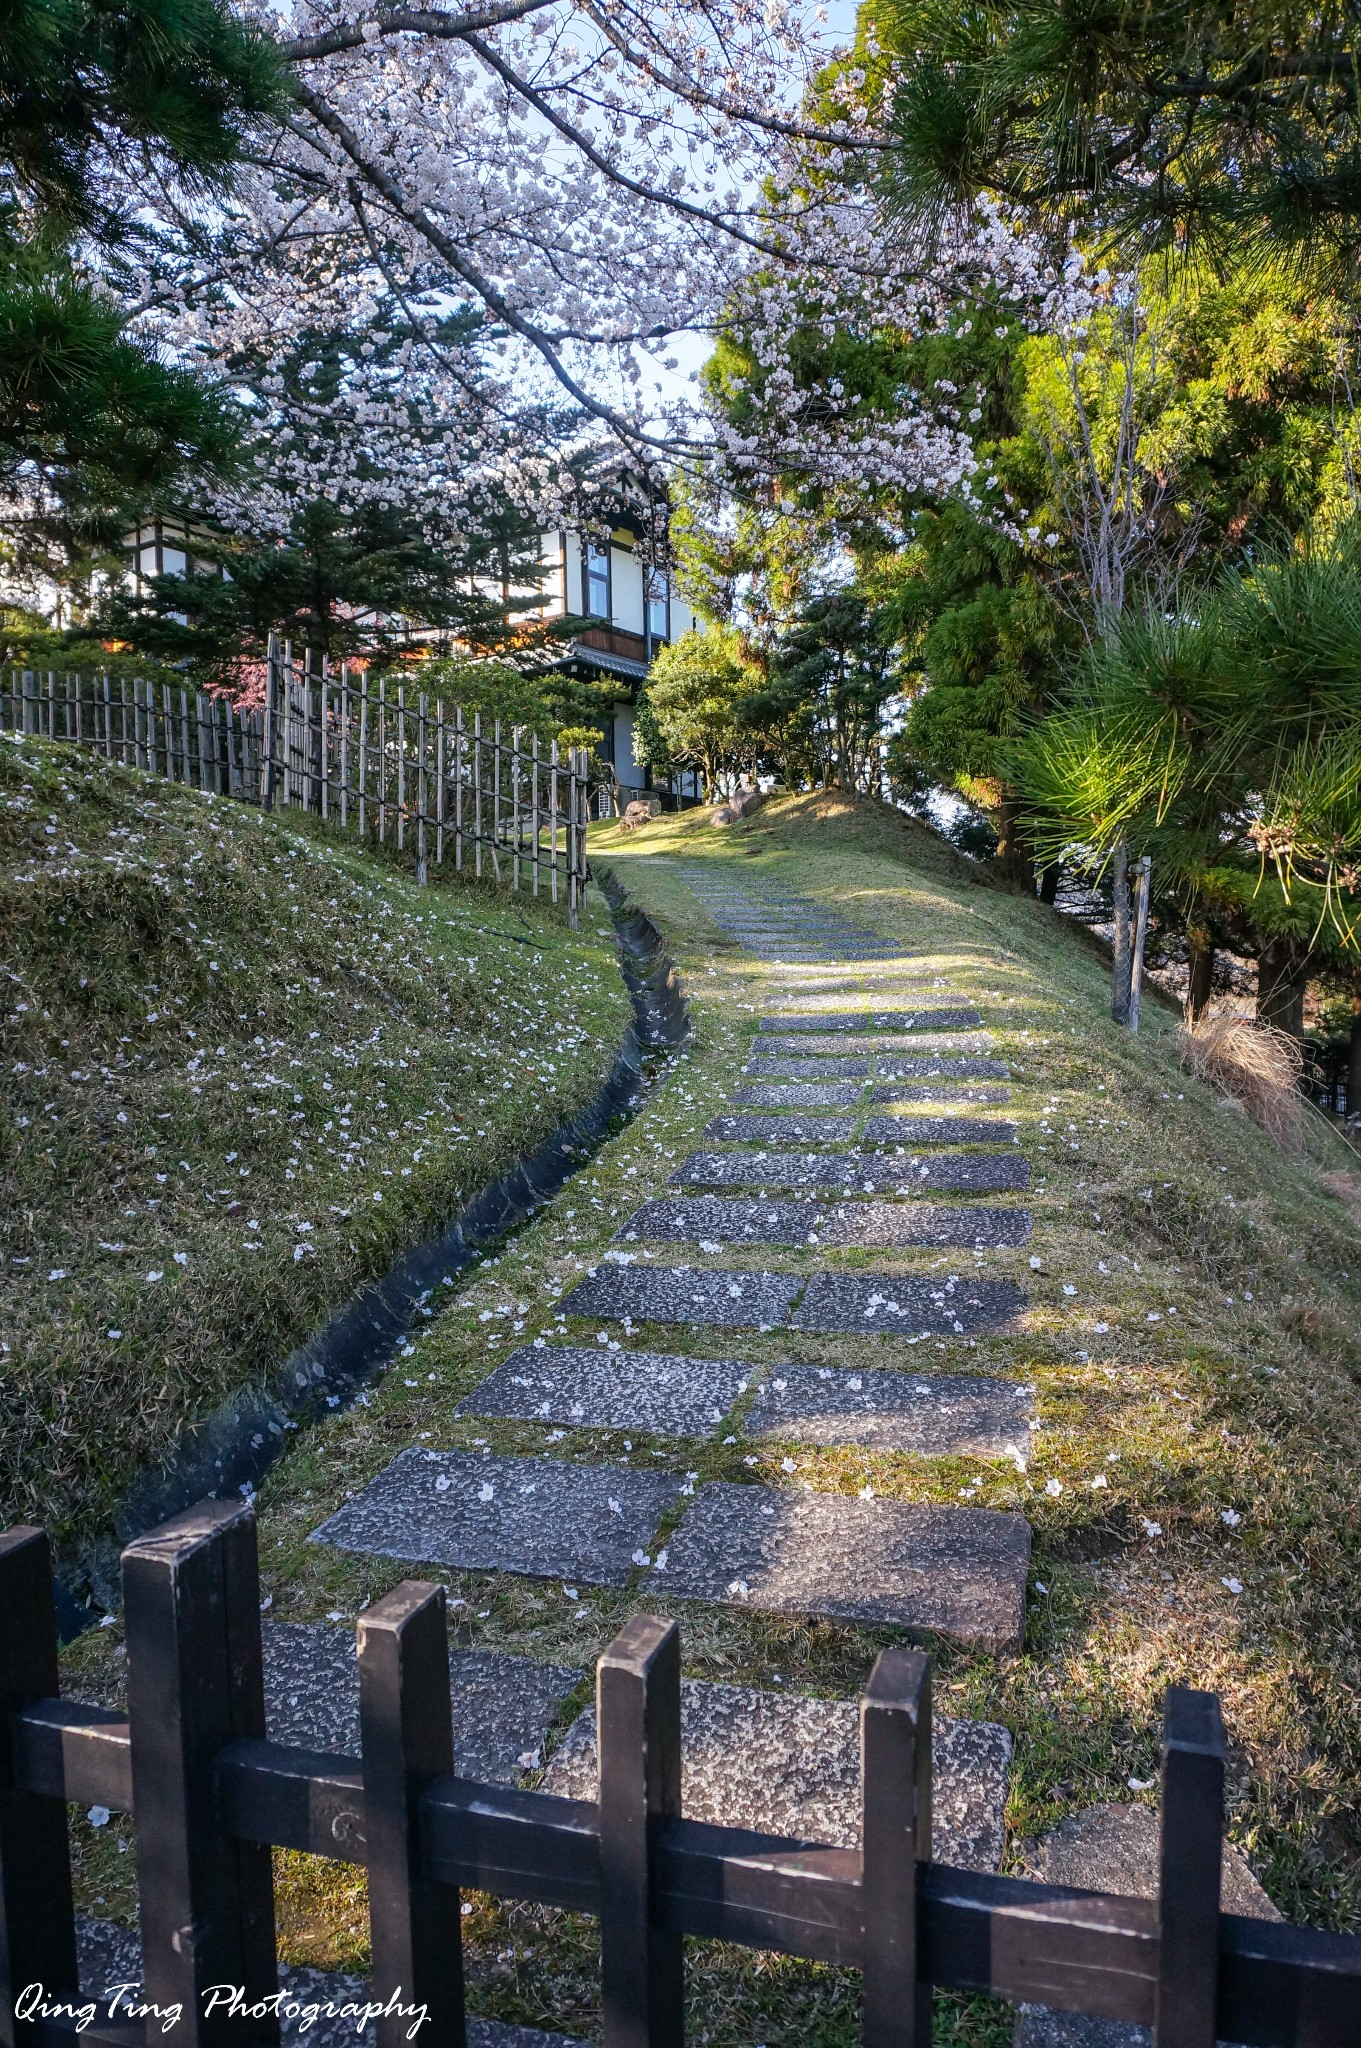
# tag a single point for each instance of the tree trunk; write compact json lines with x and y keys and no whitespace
{"x":1012,"y":858}
{"x":1200,"y":965}
{"x":1282,"y":977}
{"x":1049,"y":882}
{"x":1120,"y":970}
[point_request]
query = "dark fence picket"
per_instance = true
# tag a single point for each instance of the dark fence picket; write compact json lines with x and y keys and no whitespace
{"x":1190,"y":1858}
{"x":209,"y":1795}
{"x":406,"y":1732}
{"x":638,"y":1738}
{"x":37,"y":1919}
{"x":191,"y":1608}
{"x":895,"y":1837}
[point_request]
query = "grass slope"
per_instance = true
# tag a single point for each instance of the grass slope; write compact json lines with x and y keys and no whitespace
{"x":245,"y":1067}
{"x":1193,"y":1344}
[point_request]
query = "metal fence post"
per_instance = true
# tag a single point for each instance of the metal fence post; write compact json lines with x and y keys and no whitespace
{"x":37,"y":1919}
{"x":639,"y":1748}
{"x":191,"y":1600}
{"x":895,"y":1836}
{"x":406,"y":1730}
{"x":1189,"y":1869}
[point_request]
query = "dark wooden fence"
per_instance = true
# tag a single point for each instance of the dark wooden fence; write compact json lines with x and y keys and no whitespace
{"x":209,"y":1795}
{"x":398,"y":766}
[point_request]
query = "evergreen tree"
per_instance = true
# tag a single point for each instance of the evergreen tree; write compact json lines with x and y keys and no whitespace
{"x":91,"y":415}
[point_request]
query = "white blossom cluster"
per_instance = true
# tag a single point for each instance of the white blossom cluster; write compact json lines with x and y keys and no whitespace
{"x":512,"y":210}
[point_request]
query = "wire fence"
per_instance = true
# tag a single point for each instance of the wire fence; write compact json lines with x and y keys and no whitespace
{"x":395,"y":765}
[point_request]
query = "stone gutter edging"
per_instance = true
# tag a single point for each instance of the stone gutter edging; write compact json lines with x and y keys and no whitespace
{"x":231,"y":1449}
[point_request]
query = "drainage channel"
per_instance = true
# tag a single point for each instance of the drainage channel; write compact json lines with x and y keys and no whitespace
{"x":233,"y":1448}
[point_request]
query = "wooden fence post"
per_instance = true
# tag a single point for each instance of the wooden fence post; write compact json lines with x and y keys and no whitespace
{"x":639,"y":1747}
{"x":406,"y":1731}
{"x":191,"y":1602}
{"x":439,"y":782}
{"x":458,"y":787}
{"x":344,"y":744}
{"x":37,"y":1918}
{"x":363,"y":753}
{"x":1189,"y":1869}
{"x":895,"y":1836}
{"x":401,"y":767}
{"x":422,"y":785}
{"x":269,"y":740}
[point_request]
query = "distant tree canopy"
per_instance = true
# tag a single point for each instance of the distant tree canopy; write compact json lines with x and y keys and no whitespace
{"x":1220,"y":133}
{"x":689,"y":714}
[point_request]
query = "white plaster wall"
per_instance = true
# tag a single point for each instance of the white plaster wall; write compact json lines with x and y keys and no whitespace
{"x":573,"y":593}
{"x":629,"y":771}
{"x":626,"y":590}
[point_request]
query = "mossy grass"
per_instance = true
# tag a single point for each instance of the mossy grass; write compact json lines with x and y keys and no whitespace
{"x":247,"y":1066}
{"x":1193,"y":1343}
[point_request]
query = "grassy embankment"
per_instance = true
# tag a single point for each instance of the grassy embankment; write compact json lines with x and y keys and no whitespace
{"x":1193,"y":1344}
{"x":246,"y":1066}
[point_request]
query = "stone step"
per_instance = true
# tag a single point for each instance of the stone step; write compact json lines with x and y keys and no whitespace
{"x":885,"y":1303}
{"x":937,"y":1130}
{"x":935,"y":1416}
{"x":838,"y":1069}
{"x":831,"y":1045}
{"x":685,"y":1294}
{"x":785,"y":1765}
{"x":959,"y":1572}
{"x":848,"y":1094}
{"x":781,"y":1130}
{"x":590,"y":1387}
{"x":872,"y":1303}
{"x":834,"y":1225}
{"x":503,"y":1706}
{"x":539,"y":1517}
{"x":941,"y":1017}
{"x":855,"y":1172}
{"x":883,"y":1067}
{"x":788,"y":1128}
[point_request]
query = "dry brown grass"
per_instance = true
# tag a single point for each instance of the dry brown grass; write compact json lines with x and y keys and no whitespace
{"x":1255,"y":1065}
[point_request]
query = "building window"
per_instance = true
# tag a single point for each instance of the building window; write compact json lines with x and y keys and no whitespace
{"x":659,"y":605}
{"x":598,"y":582}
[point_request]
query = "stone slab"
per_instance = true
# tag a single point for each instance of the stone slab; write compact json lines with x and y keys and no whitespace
{"x":685,"y":1294}
{"x":935,"y":1416}
{"x":588,"y":1387}
{"x":937,"y":1130}
{"x":887,"y":1304}
{"x":880,"y":1226}
{"x":941,"y":1067}
{"x":809,"y":1070}
{"x":1114,"y":1848}
{"x":960,"y":1017}
{"x":784,"y":1765}
{"x":797,"y":1095}
{"x":503,"y":1706}
{"x":958,"y":1571}
{"x":816,"y":1045}
{"x":780,"y":1130}
{"x":866,"y":1173}
{"x":939,"y":1091}
{"x":109,"y":1959}
{"x":539,"y":1517}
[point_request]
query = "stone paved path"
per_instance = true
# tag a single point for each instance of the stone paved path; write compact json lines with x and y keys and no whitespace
{"x":853,"y":1031}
